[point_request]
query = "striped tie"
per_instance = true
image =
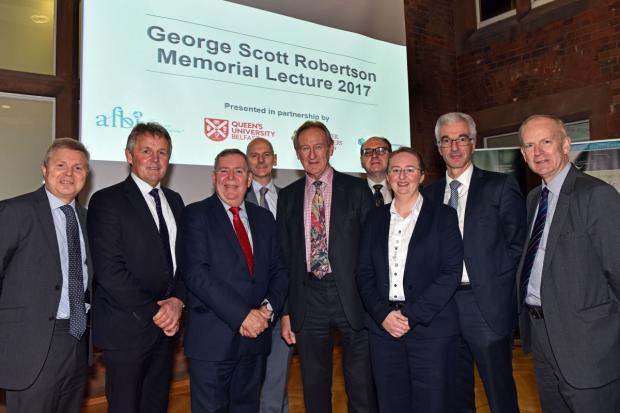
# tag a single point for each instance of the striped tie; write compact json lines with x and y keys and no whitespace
{"x":532,"y":246}
{"x":454,"y":194}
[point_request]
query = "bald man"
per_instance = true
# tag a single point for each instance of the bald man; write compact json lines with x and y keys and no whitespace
{"x":263,"y":192}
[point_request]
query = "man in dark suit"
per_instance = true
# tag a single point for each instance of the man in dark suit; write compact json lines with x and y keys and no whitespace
{"x":236,"y":281}
{"x":138,"y":300}
{"x":263,"y":192}
{"x":45,"y":284}
{"x":374,"y":154}
{"x":569,"y":277}
{"x":320,"y":219}
{"x":491,"y":213}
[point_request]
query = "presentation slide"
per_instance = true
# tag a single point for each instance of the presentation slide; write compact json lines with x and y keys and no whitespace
{"x":217,"y":74}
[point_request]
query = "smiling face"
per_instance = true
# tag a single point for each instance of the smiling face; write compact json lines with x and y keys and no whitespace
{"x":65,"y":173}
{"x":544,"y":147}
{"x":457,"y":158}
{"x":314,"y":151}
{"x":262,"y":159}
{"x":231,"y":179}
{"x":405,"y":175}
{"x":375,"y":165}
{"x":149,"y":158}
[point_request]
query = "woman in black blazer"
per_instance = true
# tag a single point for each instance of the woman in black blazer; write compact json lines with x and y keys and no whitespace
{"x":411,"y":258}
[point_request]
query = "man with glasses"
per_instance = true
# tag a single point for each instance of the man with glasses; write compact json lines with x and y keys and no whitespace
{"x":236,"y":280}
{"x":374,"y":155}
{"x":491,"y":213}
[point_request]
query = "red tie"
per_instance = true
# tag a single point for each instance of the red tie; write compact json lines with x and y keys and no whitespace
{"x":242,"y":236}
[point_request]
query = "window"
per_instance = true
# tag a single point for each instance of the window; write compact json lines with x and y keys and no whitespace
{"x":536,"y":3}
{"x":491,"y":11}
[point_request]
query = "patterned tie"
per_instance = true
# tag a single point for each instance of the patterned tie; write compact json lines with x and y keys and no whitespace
{"x":243,"y":238}
{"x":378,"y":196}
{"x":263,"y":200}
{"x":77,"y":310}
{"x":532,"y":246}
{"x":454,"y":194}
{"x":319,"y":261}
{"x":165,"y":239}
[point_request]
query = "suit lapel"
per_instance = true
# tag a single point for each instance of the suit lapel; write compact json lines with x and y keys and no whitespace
{"x":336,"y":208}
{"x":250,"y":196}
{"x":384,"y":234}
{"x":82,"y":219}
{"x":139,"y":205}
{"x":420,"y":231}
{"x":559,"y":217}
{"x":472,"y":205}
{"x":220,"y":218}
{"x":44,"y":214}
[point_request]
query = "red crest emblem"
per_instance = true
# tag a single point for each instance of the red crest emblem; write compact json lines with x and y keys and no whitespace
{"x":216,"y":129}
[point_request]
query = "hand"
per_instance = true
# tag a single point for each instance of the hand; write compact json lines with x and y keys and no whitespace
{"x":285,"y":330}
{"x":396,"y":324}
{"x":169,"y":315}
{"x":266,"y":311}
{"x":254,"y":324}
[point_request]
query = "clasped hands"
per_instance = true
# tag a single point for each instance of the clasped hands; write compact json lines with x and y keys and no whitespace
{"x":169,"y":315}
{"x":396,"y":324}
{"x":255,"y":322}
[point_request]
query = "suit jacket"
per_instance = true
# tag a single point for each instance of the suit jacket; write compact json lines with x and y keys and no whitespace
{"x":580,"y":285}
{"x":30,"y":285}
{"x":221,"y":291}
{"x":493,"y":236}
{"x":351,"y":201}
{"x":432,"y":271}
{"x":131,"y":273}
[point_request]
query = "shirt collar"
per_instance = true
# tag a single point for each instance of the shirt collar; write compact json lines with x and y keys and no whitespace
{"x":326,"y":178}
{"x":373,"y":183}
{"x":227,"y":207}
{"x":464,"y":178}
{"x":256,"y":186}
{"x":417,"y":207}
{"x":556,"y":183}
{"x":56,"y":202}
{"x":144,"y":187}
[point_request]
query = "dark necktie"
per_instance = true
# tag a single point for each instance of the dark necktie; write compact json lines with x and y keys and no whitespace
{"x":243,"y":238}
{"x":165,"y":239}
{"x":77,"y":310}
{"x":454,"y":194}
{"x":532,"y":246}
{"x":319,"y":261}
{"x":263,"y":199}
{"x":378,"y":196}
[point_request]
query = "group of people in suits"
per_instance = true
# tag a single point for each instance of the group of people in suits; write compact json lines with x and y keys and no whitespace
{"x":421,"y":283}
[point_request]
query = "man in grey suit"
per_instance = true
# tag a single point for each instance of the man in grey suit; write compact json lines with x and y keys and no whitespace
{"x":45,"y":282}
{"x":569,"y":277}
{"x":263,"y":192}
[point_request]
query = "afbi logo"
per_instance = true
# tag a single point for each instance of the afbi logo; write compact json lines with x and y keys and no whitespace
{"x":117,"y":119}
{"x":216,"y":129}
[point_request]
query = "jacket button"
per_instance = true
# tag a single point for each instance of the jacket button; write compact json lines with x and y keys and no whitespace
{"x":57,"y":287}
{"x":51,"y":318}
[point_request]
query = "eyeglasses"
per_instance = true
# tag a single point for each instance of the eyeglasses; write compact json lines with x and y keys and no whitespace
{"x":408,"y":170}
{"x":462,"y":140}
{"x":368,"y":152}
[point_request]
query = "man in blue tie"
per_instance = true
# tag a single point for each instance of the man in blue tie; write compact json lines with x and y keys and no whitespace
{"x":491,"y":213}
{"x":45,"y":284}
{"x":138,"y":297}
{"x":264,"y":192}
{"x":569,"y":277}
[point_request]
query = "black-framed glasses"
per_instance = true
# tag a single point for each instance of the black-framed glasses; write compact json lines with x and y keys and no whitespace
{"x":462,"y":140}
{"x":382,"y":150}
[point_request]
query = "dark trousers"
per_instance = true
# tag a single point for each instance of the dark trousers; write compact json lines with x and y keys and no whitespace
{"x":556,"y":395}
{"x":492,"y":354}
{"x":231,"y":386}
{"x":138,"y":380}
{"x":60,"y":386}
{"x":413,"y":374}
{"x":315,"y":344}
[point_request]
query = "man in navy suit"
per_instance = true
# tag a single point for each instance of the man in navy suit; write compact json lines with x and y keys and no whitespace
{"x":230,"y":260}
{"x":138,"y":299}
{"x":491,"y":212}
{"x":263,"y":192}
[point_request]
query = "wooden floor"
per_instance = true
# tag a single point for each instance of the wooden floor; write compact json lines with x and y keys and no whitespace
{"x":522,"y":365}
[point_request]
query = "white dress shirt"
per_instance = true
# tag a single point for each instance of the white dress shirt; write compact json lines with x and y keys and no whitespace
{"x":465,"y":180}
{"x":271,"y":196}
{"x":400,"y":233}
{"x":145,"y":188}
